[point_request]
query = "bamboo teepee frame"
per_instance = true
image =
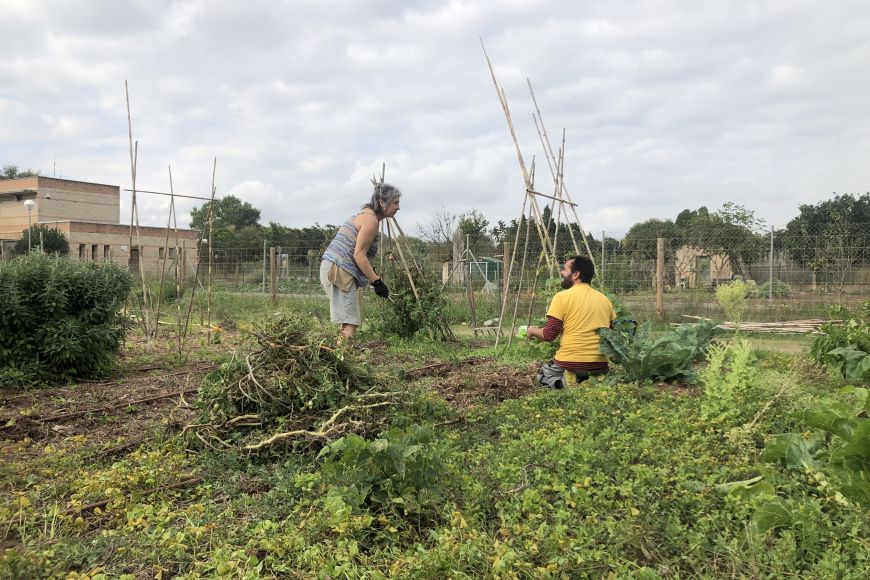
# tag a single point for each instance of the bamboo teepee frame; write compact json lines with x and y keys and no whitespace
{"x":150,"y":313}
{"x":562,"y":199}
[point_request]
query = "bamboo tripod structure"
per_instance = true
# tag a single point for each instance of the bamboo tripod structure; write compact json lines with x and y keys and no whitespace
{"x":150,"y":312}
{"x":548,"y":254}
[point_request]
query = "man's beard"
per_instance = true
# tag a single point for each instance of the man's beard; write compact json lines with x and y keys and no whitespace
{"x":567,"y":283}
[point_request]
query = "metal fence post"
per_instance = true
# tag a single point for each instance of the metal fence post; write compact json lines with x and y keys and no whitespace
{"x":770,"y":259}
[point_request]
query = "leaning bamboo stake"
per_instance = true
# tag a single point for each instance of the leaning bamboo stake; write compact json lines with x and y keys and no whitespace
{"x":513,"y":325}
{"x":549,"y":151}
{"x":196,"y":271}
{"x":504,"y":298}
{"x":545,"y":239}
{"x":404,"y":263}
{"x":163,"y":265}
{"x":210,"y":253}
{"x":403,"y":237}
{"x":178,"y":258}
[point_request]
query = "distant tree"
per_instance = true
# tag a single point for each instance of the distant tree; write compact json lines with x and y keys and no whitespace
{"x":732,"y":231}
{"x":12,"y":172}
{"x":440,"y":228}
{"x":472,"y":226}
{"x":53,"y":241}
{"x":228,"y":212}
{"x":830,"y":236}
{"x":641,"y":240}
{"x":499,"y":231}
{"x":685,"y":217}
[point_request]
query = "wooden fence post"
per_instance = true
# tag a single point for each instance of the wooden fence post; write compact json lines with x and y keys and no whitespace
{"x":273,"y":264}
{"x":660,"y":278}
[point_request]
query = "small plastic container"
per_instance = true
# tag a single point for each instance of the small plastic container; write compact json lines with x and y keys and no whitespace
{"x":522,"y":331}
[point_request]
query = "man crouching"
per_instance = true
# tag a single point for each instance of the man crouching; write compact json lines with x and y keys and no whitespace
{"x":577,"y":312}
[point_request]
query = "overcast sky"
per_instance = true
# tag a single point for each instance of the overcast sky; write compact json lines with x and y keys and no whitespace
{"x":666,"y":104}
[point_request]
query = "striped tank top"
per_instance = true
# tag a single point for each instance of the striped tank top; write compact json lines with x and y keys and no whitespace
{"x":340,"y":251}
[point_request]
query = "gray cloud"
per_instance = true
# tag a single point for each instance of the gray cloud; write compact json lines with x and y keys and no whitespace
{"x":666,"y":104}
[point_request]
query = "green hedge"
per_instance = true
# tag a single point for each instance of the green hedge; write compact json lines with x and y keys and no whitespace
{"x":59,"y":318}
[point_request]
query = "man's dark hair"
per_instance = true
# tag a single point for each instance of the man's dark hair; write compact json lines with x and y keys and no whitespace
{"x":583,"y":266}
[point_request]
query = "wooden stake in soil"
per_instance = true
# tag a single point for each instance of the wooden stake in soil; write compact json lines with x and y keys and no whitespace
{"x":210,"y":252}
{"x":660,"y":278}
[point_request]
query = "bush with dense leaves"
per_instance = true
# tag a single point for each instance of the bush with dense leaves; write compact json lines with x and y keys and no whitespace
{"x":50,"y":240}
{"x":59,"y":318}
{"x":780,"y":289}
{"x":843,"y":343}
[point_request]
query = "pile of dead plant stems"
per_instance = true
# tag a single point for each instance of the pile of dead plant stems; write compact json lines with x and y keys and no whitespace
{"x":290,"y":385}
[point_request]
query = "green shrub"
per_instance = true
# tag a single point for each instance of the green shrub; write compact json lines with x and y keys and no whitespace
{"x":167,"y":293}
{"x":780,"y":289}
{"x":401,"y":468}
{"x":59,"y":318}
{"x":844,"y":343}
{"x":728,"y":378}
{"x":846,"y":458}
{"x":53,"y":240}
{"x":405,"y":314}
{"x":732,"y":298}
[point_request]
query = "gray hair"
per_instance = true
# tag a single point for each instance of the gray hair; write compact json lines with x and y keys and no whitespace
{"x":384,"y":192}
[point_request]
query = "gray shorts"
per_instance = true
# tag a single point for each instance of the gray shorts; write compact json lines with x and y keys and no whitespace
{"x":344,"y":307}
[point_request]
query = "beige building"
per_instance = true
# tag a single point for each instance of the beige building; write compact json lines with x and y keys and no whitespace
{"x":89,"y":216}
{"x":694,"y":268}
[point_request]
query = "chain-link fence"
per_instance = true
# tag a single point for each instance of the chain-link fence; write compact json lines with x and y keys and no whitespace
{"x":793,"y":274}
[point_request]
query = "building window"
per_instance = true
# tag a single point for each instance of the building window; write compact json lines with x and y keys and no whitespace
{"x":107,"y":249}
{"x":161,"y":253}
{"x":171,"y":253}
{"x":94,"y":249}
{"x":82,"y":250}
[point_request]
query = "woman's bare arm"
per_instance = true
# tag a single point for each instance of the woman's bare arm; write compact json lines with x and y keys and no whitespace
{"x":367,"y":230}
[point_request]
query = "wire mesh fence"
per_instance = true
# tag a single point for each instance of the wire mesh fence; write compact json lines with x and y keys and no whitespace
{"x":793,"y":275}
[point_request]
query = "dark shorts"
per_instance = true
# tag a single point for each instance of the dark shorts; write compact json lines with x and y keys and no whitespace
{"x":552,"y":375}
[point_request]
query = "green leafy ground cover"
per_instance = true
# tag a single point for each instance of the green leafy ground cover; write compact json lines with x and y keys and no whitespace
{"x":609,"y":479}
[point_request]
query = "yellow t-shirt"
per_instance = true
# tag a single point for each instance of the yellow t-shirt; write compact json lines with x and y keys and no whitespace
{"x":582,"y":310}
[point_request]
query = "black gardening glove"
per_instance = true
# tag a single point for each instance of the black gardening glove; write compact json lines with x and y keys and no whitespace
{"x":381,"y":288}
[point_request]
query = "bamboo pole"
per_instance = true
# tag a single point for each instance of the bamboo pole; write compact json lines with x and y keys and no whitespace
{"x":210,"y":252}
{"x":404,"y":238}
{"x":404,"y":264}
{"x":520,"y":283}
{"x":544,"y":236}
{"x":134,"y":214}
{"x":506,"y":292}
{"x":163,"y":265}
{"x":549,"y":150}
{"x":178,"y":271}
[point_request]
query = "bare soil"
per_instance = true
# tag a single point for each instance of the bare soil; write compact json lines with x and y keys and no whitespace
{"x":467,"y":384}
{"x":105,"y":411}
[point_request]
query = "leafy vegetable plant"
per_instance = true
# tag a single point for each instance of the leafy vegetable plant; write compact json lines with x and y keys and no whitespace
{"x":847,"y":457}
{"x":728,"y":378}
{"x":844,"y":343}
{"x":667,"y":357}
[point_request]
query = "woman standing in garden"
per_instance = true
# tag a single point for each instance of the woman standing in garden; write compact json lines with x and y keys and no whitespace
{"x":346,"y":263}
